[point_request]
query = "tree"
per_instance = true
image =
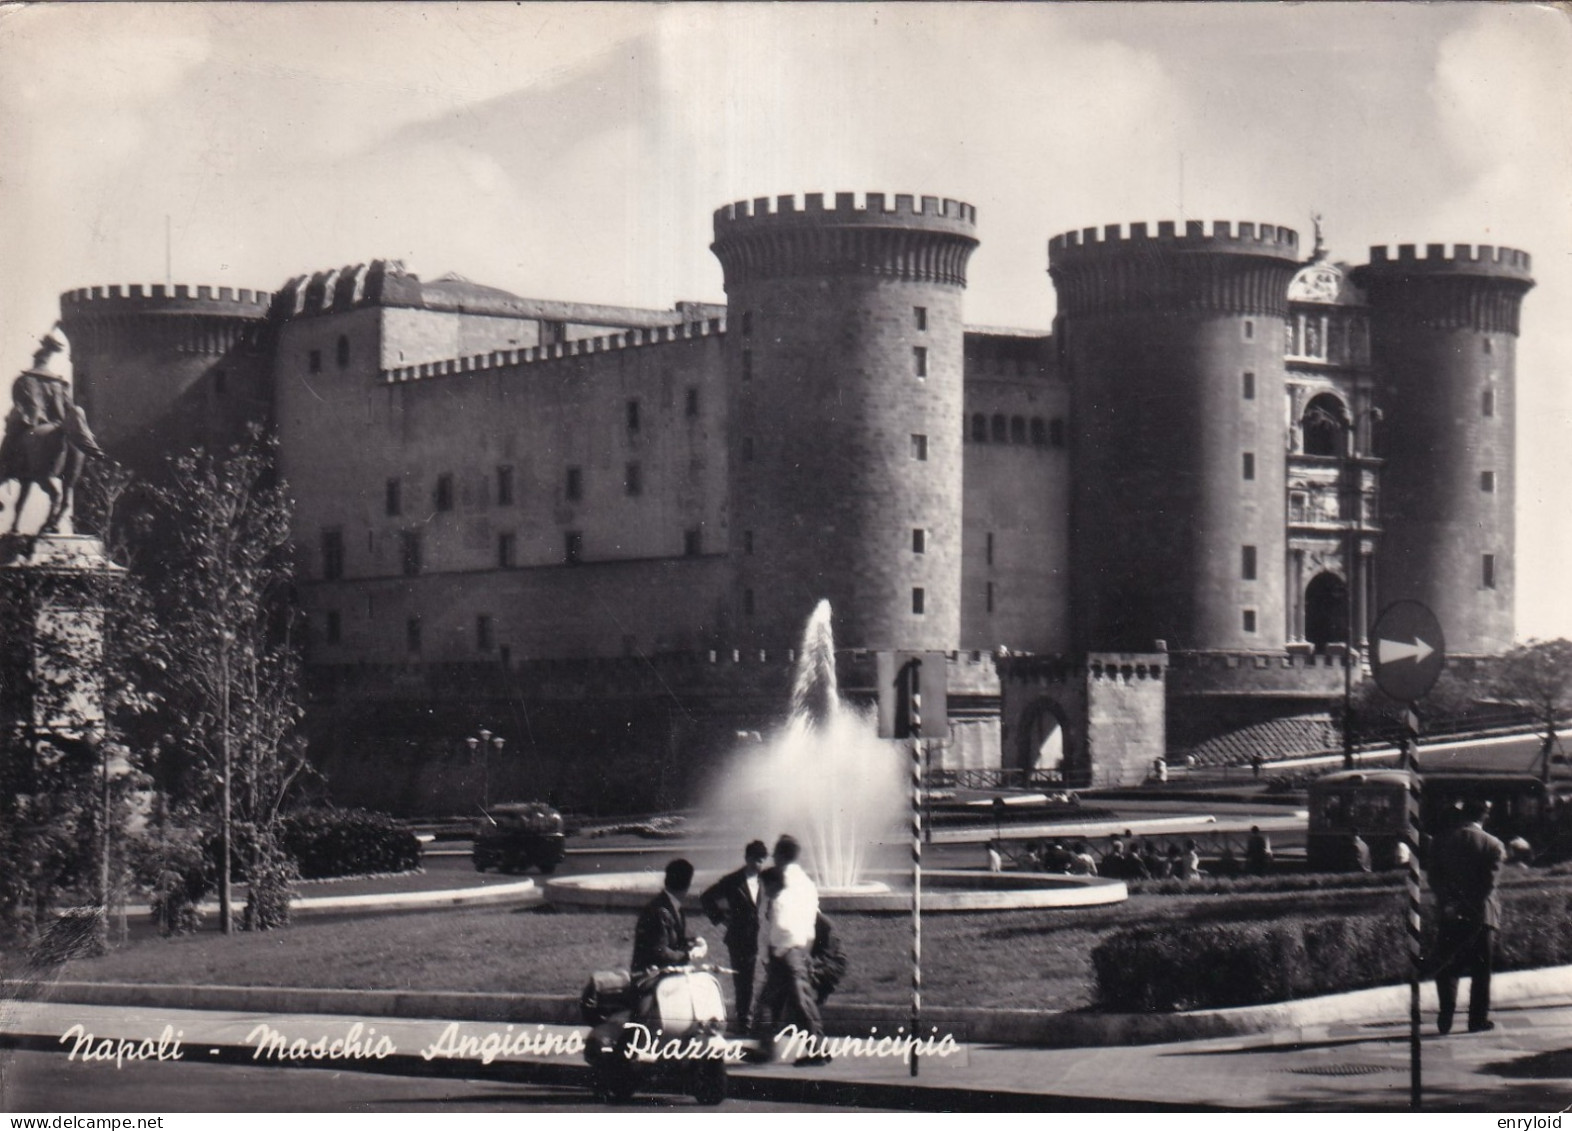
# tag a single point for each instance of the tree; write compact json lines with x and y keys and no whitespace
{"x":1537,"y":677}
{"x":229,"y":675}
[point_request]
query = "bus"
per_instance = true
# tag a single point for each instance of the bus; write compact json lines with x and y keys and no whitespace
{"x":1374,"y":804}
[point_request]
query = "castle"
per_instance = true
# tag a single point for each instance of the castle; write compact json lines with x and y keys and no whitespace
{"x":601,"y":529}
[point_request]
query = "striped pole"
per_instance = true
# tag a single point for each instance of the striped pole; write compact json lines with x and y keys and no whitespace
{"x":916,"y":731}
{"x":1415,"y":928}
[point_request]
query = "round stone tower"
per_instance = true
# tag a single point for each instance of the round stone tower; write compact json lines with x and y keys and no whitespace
{"x":157,"y":368}
{"x":1173,"y":345}
{"x":844,"y":348}
{"x":1443,"y":335}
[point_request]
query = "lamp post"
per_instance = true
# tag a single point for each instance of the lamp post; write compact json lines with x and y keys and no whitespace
{"x":1354,"y":492}
{"x":484,"y":744}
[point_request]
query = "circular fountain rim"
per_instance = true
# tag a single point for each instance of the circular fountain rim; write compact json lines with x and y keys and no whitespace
{"x":944,"y":890}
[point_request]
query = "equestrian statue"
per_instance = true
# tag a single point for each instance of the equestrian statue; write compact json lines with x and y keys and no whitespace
{"x":46,"y":437}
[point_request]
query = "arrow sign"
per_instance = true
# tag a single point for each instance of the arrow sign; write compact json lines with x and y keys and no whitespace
{"x":1388,"y":651}
{"x":1410,"y":651}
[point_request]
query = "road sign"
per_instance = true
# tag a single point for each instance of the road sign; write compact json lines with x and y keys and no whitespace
{"x":1407,"y":650}
{"x":912,"y":700}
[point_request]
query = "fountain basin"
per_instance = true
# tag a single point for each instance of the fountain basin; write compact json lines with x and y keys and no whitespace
{"x":943,"y":890}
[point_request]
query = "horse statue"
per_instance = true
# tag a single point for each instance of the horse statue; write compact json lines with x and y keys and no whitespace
{"x":47,"y":439}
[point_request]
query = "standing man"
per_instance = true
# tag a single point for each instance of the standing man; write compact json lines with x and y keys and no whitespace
{"x":1464,"y":867}
{"x":661,"y":937}
{"x":733,"y":900}
{"x":791,"y":923}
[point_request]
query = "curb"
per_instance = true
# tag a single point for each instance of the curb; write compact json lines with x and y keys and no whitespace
{"x":1022,"y":1027}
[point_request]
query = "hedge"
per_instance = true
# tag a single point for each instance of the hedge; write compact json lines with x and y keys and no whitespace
{"x":1221,"y":965}
{"x":327,"y":842}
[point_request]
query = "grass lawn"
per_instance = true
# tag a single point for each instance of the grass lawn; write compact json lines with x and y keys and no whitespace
{"x":1023,"y":959}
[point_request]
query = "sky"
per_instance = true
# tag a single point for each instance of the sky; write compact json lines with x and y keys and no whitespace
{"x":578,"y":151}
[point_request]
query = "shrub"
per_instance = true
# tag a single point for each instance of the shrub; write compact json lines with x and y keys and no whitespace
{"x":168,"y":860}
{"x":330,"y":842}
{"x":269,"y":886}
{"x":1220,"y":965}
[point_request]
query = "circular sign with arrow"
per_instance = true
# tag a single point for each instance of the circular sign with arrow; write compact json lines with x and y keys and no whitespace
{"x":1407,"y":650}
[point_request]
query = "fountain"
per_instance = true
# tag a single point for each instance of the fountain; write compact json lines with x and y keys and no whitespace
{"x":825,"y":776}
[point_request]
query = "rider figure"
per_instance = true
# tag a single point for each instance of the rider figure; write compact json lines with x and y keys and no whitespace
{"x":40,"y":399}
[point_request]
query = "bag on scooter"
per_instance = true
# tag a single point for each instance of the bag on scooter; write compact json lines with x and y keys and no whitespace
{"x":607,"y":992}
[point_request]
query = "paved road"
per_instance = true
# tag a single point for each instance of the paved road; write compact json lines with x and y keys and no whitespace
{"x":48,"y":1082}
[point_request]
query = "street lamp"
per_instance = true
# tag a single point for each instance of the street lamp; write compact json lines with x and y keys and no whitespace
{"x":484,"y":744}
{"x":1354,"y":491}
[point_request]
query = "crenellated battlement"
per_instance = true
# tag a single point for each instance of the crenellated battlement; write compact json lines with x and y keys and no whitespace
{"x":1221,"y":236}
{"x":873,"y":208}
{"x":1463,"y":259}
{"x":159,"y":298}
{"x":580,"y":347}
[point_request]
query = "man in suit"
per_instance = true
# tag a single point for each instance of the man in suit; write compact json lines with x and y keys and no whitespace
{"x":733,"y":900}
{"x":660,"y":937}
{"x":1464,"y":867}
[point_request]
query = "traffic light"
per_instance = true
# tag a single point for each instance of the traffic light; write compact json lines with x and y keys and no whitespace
{"x":912,"y":695}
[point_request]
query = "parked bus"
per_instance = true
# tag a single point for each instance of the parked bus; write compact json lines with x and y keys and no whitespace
{"x":1374,"y":804}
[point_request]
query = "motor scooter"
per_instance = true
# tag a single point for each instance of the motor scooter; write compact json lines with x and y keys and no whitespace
{"x":661,"y":1029}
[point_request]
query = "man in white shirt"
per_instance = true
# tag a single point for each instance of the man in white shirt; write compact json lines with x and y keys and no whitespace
{"x":789,"y":932}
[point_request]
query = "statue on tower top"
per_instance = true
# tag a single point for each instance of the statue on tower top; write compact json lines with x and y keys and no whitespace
{"x":1318,"y":253}
{"x":46,"y":436}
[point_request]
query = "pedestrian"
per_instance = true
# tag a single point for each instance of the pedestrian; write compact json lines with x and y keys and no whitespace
{"x":995,"y":860}
{"x":1115,"y":864}
{"x":1258,"y":852}
{"x":733,"y":901}
{"x":1357,"y":853}
{"x":1081,"y":861}
{"x":1465,"y":864}
{"x":791,"y":923}
{"x":1256,"y":762}
{"x":1191,"y":868}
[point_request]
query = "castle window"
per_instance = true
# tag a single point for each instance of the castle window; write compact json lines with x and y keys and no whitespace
{"x":573,"y":489}
{"x":920,"y":360}
{"x":343,"y":351}
{"x":692,"y":542}
{"x":572,"y":547}
{"x":747,"y":541}
{"x":990,"y":596}
{"x":1487,"y":482}
{"x":334,"y":627}
{"x":919,"y":446}
{"x":505,"y":544}
{"x":393,"y":501}
{"x":410,"y":546}
{"x":1488,"y":345}
{"x":553,"y":333}
{"x":693,"y":402}
{"x":1487,"y":571}
{"x":1017,"y":429}
{"x":1487,"y":403}
{"x":504,"y":486}
{"x":979,"y":428}
{"x":920,"y":316}
{"x":747,"y":323}
{"x":314,"y":361}
{"x":747,"y":602}
{"x":1249,"y":465}
{"x":1249,"y":620}
{"x":1323,"y":424}
{"x":483,"y":640}
{"x":747,"y":447}
{"x":633,"y":416}
{"x":1249,"y":386}
{"x":1039,"y":432}
{"x":445,"y":492}
{"x":1056,"y":432}
{"x":1247,"y":563}
{"x":412,"y":634}
{"x":919,"y":540}
{"x":633,"y":479}
{"x":1000,"y":429}
{"x":1249,"y":329}
{"x":989,"y":551}
{"x":332,"y":555}
{"x":917,"y":601}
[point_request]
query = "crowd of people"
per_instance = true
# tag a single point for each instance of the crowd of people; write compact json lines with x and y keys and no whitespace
{"x":1129,"y":857}
{"x":769,"y":914}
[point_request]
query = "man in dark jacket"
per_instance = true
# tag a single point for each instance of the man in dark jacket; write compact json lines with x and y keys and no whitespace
{"x":733,"y":901}
{"x":661,"y":936}
{"x":1464,"y":867}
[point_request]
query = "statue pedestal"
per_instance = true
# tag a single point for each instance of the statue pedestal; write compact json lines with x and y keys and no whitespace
{"x":54,"y":589}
